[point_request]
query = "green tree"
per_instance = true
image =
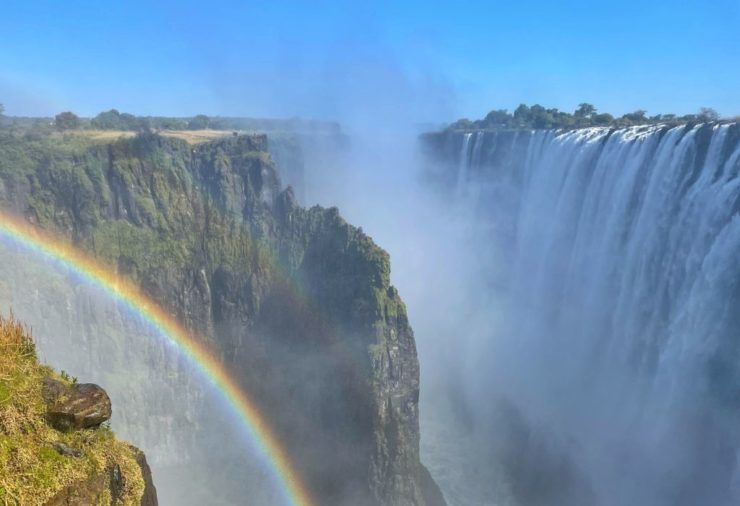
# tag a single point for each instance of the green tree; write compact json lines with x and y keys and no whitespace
{"x":585,"y":111}
{"x":66,"y":121}
{"x":634,"y":118}
{"x":129,"y":121}
{"x":462,"y":124}
{"x":602,"y":119}
{"x":541,"y":117}
{"x":522,"y":115}
{"x":169,"y":123}
{"x":497,"y":118}
{"x":584,"y":114}
{"x":562,"y":119}
{"x":114,"y":120}
{"x":199,"y":122}
{"x":109,"y":120}
{"x":143,"y":125}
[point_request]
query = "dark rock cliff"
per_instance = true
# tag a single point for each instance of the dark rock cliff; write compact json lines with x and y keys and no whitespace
{"x":296,"y":302}
{"x":106,"y":486}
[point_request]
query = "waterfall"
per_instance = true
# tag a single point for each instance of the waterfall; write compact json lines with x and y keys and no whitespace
{"x":616,"y":366}
{"x":464,"y":162}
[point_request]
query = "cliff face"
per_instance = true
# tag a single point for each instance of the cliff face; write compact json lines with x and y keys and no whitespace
{"x":296,"y":302}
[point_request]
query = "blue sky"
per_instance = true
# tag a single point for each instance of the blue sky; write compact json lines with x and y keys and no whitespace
{"x":406,"y":61}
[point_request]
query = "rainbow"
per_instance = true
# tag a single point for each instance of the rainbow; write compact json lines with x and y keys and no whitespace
{"x":21,"y":232}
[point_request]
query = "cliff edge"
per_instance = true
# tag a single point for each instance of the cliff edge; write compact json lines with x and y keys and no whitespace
{"x":54,"y":448}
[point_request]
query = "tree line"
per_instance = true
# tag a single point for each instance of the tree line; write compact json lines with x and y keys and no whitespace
{"x":116,"y":120}
{"x":586,"y":115}
{"x":523,"y":117}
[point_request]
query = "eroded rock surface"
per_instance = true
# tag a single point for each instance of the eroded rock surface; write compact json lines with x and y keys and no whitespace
{"x":76,"y":407}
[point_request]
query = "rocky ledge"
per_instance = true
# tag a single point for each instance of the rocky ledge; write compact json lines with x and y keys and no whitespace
{"x":55,"y":447}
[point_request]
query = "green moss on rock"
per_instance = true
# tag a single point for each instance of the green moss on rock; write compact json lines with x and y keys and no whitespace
{"x":32,"y":469}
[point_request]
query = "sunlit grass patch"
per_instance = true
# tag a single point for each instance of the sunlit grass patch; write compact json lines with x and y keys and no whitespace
{"x":32,"y":471}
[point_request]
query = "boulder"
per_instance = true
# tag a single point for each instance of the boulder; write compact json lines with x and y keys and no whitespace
{"x":79,"y":407}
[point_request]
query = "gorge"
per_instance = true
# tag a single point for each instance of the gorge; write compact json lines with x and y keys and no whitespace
{"x":573,"y":294}
{"x":295,"y":302}
{"x":370,"y":253}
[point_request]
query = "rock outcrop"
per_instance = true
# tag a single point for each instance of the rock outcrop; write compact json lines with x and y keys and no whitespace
{"x":107,"y":487}
{"x":84,"y":492}
{"x":77,"y":406}
{"x":149,"y":496}
{"x":68,"y":460}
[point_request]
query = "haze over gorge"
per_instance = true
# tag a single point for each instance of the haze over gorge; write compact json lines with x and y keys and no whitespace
{"x":572,"y":288}
{"x":370,"y":253}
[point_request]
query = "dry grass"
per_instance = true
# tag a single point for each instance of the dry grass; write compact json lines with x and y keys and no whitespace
{"x":104,"y":135}
{"x":31,"y":470}
{"x":196,"y":136}
{"x":191,"y":136}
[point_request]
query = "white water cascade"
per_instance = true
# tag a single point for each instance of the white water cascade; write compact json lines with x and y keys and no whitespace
{"x":464,"y":163}
{"x":610,"y":373}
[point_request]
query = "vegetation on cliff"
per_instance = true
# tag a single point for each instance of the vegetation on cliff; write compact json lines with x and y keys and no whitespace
{"x":40,"y":464}
{"x":296,"y":301}
{"x":586,"y":115}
